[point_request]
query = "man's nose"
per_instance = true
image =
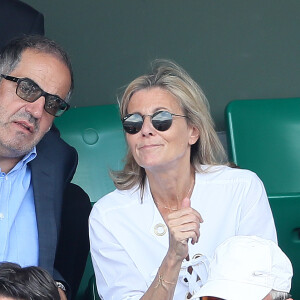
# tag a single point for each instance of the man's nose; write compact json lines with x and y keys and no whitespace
{"x":36,"y":108}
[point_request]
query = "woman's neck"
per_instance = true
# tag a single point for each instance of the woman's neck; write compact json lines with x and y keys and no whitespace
{"x":169,"y":189}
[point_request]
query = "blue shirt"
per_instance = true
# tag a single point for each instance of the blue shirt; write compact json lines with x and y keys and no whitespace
{"x":18,"y":225}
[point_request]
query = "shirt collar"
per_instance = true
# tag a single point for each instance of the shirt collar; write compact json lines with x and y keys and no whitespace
{"x":29,"y":156}
{"x":25,"y":160}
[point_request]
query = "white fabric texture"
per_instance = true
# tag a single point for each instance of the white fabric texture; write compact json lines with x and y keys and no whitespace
{"x":248,"y":268}
{"x":126,"y":251}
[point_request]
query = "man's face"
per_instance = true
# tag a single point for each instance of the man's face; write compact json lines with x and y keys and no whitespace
{"x":23,"y":124}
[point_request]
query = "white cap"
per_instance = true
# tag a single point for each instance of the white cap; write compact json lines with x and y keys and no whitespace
{"x":248,"y":268}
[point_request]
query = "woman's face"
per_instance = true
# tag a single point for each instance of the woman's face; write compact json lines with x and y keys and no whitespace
{"x":153,"y":149}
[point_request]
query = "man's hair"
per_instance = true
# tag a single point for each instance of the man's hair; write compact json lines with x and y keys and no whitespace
{"x":29,"y":283}
{"x":12,"y":52}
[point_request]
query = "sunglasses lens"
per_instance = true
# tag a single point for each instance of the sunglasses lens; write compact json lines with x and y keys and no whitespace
{"x":132,"y":123}
{"x":54,"y":106}
{"x":162,"y":120}
{"x":28,"y":90}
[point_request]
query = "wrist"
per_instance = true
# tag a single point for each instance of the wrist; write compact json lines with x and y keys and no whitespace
{"x":170,"y":266}
{"x":173,"y":259}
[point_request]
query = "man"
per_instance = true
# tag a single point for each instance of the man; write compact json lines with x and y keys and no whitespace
{"x":36,"y":82}
{"x":248,"y":268}
{"x":29,"y":283}
{"x":16,"y":19}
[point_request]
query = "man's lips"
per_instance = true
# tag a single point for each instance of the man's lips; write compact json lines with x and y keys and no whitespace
{"x":27,"y":126}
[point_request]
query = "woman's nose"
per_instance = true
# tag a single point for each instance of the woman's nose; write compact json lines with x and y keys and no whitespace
{"x":147,"y":128}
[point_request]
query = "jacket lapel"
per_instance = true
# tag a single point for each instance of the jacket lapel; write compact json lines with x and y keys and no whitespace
{"x":43,"y":180}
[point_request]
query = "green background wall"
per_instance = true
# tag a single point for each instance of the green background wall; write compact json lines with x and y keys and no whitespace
{"x":235,"y":49}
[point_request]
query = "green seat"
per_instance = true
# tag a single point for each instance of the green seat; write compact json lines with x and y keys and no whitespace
{"x":97,"y":134}
{"x":264,"y":136}
{"x":91,"y":292}
{"x":286,"y":210}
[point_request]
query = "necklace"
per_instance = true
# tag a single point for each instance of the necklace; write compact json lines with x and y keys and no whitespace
{"x":171,"y":208}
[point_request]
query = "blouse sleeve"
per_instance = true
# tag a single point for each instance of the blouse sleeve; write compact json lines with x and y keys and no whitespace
{"x":256,"y":214}
{"x":117,"y":277}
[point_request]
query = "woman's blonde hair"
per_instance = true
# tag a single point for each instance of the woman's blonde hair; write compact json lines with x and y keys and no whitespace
{"x":169,"y":76}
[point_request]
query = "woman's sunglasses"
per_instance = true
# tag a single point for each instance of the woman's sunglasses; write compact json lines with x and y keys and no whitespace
{"x":161,"y":120}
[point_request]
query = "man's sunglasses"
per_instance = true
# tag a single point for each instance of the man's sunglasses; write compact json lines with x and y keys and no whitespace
{"x":161,"y":120}
{"x":29,"y":91}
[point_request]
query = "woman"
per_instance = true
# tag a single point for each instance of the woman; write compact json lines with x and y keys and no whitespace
{"x":176,"y":199}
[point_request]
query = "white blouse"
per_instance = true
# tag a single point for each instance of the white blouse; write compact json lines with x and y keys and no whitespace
{"x":129,"y":239}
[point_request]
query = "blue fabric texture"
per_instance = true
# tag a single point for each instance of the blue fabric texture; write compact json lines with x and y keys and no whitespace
{"x":18,"y":226}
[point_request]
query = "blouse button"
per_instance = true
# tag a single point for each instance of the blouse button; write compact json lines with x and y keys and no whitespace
{"x":160,"y":229}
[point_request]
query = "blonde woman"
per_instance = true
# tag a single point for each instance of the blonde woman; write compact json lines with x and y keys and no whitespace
{"x":176,"y":198}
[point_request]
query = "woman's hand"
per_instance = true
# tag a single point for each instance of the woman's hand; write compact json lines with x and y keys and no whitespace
{"x":183,"y":225}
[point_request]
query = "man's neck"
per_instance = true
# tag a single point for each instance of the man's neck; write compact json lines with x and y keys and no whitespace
{"x":7,"y":164}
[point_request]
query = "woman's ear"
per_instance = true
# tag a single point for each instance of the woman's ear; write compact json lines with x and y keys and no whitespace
{"x":194,"y":135}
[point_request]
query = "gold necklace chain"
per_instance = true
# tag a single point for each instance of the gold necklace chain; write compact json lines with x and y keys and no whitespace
{"x":174,"y":209}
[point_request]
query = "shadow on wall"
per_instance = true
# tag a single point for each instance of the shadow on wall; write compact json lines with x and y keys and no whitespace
{"x":233,"y":49}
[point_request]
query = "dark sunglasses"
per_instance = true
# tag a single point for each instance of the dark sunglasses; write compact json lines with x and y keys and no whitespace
{"x":29,"y":91}
{"x":161,"y":120}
